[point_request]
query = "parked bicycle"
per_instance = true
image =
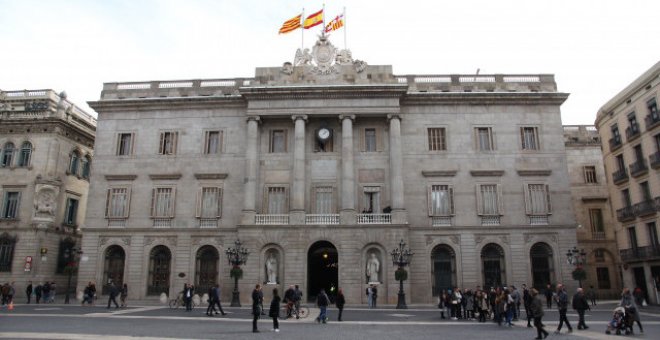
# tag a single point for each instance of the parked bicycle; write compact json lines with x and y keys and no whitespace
{"x":178,"y":302}
{"x":303,"y":311}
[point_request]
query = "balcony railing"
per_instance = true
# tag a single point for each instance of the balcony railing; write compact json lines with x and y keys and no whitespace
{"x":644,"y":208}
{"x":490,"y":220}
{"x":620,"y":176}
{"x":271,"y":219}
{"x":598,"y":235}
{"x":625,"y":214}
{"x":654,"y":159}
{"x":441,"y":221}
{"x":652,"y":121}
{"x":162,"y":222}
{"x":322,"y":219}
{"x":632,"y":133}
{"x":638,"y":168}
{"x":615,"y":143}
{"x":117,"y":223}
{"x":640,"y":254}
{"x":538,"y":219}
{"x":208,"y":222}
{"x":374,"y":218}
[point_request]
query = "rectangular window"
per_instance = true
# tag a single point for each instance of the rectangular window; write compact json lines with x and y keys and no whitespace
{"x":653,"y":109}
{"x":370,"y":140}
{"x":437,"y":139}
{"x":212,"y":142}
{"x":371,"y":200}
{"x":324,"y":200}
{"x":596,"y":217}
{"x":603,"y":275}
{"x":162,"y":202}
{"x":538,"y":199}
{"x":625,"y":198}
{"x":599,"y":255}
{"x":645,"y":190}
{"x":590,"y":174}
{"x":125,"y":144}
{"x":484,"y":139}
{"x":653,"y":235}
{"x":620,"y":163}
{"x":529,"y":138}
{"x":168,"y":143}
{"x":277,"y":200}
{"x":6,"y":252}
{"x":209,"y":202}
{"x":70,"y":216}
{"x":632,"y":120}
{"x":117,"y":203}
{"x":277,"y":141}
{"x":442,"y":200}
{"x":11,"y":204}
{"x":489,"y":199}
{"x":639,"y":154}
{"x":632,"y":237}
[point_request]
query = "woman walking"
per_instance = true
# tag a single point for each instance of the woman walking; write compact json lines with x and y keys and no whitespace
{"x":536,"y":309}
{"x":123,"y":295}
{"x":274,"y":311}
{"x":628,"y":302}
{"x":340,"y":301}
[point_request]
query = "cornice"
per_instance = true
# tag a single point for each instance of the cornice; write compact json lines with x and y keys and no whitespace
{"x":211,"y":176}
{"x":439,"y":173}
{"x":157,"y":103}
{"x":165,"y":176}
{"x":534,"y":172}
{"x":120,"y":177}
{"x":486,"y":173}
{"x":52,"y":125}
{"x":484,"y":98}
{"x":324,"y":91}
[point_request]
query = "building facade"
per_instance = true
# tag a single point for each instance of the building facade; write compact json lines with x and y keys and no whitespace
{"x":46,"y":156}
{"x":590,"y":195}
{"x":631,"y":162}
{"x":321,"y":167}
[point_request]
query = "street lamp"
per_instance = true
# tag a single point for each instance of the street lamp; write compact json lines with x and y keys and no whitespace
{"x":236,"y":256}
{"x":401,"y":257}
{"x":577,"y":258}
{"x":70,"y":255}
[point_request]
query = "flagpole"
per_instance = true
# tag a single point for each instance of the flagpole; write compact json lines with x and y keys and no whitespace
{"x":323,"y":15}
{"x":302,"y":30}
{"x":345,"y":22}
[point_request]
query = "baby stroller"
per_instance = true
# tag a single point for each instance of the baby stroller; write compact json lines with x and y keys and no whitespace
{"x":622,"y":321}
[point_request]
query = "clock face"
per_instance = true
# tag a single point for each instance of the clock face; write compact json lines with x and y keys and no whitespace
{"x":324,"y":134}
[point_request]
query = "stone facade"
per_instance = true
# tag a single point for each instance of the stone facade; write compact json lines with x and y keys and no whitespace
{"x":590,"y":196}
{"x":630,"y":123}
{"x":43,"y":194}
{"x":470,"y":171}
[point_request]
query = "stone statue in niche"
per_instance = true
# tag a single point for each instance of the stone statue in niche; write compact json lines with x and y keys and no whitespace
{"x":271,"y":268}
{"x":373,"y":268}
{"x":44,"y":202}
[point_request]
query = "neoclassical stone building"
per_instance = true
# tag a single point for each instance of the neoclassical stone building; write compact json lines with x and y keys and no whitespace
{"x":323,"y":164}
{"x":46,"y":150}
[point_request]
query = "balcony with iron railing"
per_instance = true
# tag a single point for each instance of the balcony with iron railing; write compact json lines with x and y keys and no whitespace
{"x":374,"y":218}
{"x":644,"y":208}
{"x":598,"y":235}
{"x":615,"y":143}
{"x":640,"y":254}
{"x":322,"y":219}
{"x":654,"y":160}
{"x":652,"y":121}
{"x":632,"y":133}
{"x":639,"y":168}
{"x":620,"y":176}
{"x":625,"y":214}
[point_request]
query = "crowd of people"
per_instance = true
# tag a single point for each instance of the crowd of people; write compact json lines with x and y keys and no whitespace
{"x":42,"y":293}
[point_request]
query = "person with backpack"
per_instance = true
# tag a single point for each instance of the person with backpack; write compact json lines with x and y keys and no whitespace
{"x":322,"y":302}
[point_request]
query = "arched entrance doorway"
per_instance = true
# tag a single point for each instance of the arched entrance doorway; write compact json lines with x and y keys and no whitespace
{"x":206,"y":269}
{"x":443,"y":260}
{"x":542,"y":265}
{"x":113,"y":267}
{"x":492,"y":263}
{"x":159,"y":271}
{"x":322,"y":269}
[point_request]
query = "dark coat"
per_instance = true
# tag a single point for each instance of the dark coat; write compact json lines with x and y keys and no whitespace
{"x":256,"y":303}
{"x":580,"y":302}
{"x":322,"y":300}
{"x":340,"y":301}
{"x":536,"y":306}
{"x":274,"y":311}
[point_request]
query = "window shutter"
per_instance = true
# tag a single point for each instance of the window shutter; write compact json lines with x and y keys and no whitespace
{"x":161,"y":149}
{"x":528,"y":204}
{"x":265,"y":200}
{"x":500,"y":206}
{"x":379,"y":139}
{"x":175,"y":142}
{"x":18,"y":205}
{"x":547,"y":193}
{"x":200,"y":198}
{"x":173,"y":202}
{"x":118,"y":150}
{"x":220,"y":195}
{"x":221,"y":141}
{"x":128,"y":203}
{"x":154,"y":193}
{"x":363,"y":136}
{"x":522,"y":137}
{"x":451,"y":199}
{"x":107,"y":202}
{"x":480,"y":201}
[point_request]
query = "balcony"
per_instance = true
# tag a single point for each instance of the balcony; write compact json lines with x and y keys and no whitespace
{"x":625,"y":214}
{"x":441,"y":221}
{"x":162,"y":222}
{"x":620,"y":176}
{"x":638,"y":168}
{"x":632,"y":133}
{"x":598,"y":235}
{"x":208,"y":222}
{"x":652,"y":121}
{"x":644,"y":208}
{"x":117,"y":223}
{"x":323,"y":219}
{"x":538,"y":219}
{"x":270,"y":219}
{"x":654,"y":159}
{"x":490,"y":220}
{"x":615,"y":143}
{"x":640,"y":254}
{"x":374,"y":218}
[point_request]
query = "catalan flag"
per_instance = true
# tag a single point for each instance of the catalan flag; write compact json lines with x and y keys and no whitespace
{"x":314,"y":19}
{"x":335,"y":24}
{"x":291,"y":24}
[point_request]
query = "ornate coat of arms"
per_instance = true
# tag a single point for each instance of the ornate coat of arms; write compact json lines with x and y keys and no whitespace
{"x":324,"y":58}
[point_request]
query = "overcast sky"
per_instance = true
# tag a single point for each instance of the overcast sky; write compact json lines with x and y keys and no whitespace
{"x":594,"y":48}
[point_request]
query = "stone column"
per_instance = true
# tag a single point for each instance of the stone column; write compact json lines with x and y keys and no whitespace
{"x":347,"y":213}
{"x":251,"y":164}
{"x":396,"y":171}
{"x":297,"y":213}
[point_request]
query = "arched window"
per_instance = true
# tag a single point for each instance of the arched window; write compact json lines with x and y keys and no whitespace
{"x":73,"y":164}
{"x":7,"y":154}
{"x":542,"y":265}
{"x":86,"y":165}
{"x":6,"y":252}
{"x":25,"y":155}
{"x":160,"y":259}
{"x":492,"y":261}
{"x":113,"y":267}
{"x":443,"y":261}
{"x":206,"y":268}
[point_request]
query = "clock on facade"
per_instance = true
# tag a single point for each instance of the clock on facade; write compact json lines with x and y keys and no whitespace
{"x":323,"y":134}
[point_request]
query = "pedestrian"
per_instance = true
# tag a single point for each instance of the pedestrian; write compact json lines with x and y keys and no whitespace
{"x":536,"y":310}
{"x":370,"y":296}
{"x":274,"y":311}
{"x":37,"y":293}
{"x":591,"y":295}
{"x":456,"y":304}
{"x":297,"y":297}
{"x":580,"y":304}
{"x":28,"y":292}
{"x":288,"y":299}
{"x":53,"y":289}
{"x":188,"y":292}
{"x":548,"y":296}
{"x":628,"y":302}
{"x":527,"y":300}
{"x":442,"y":303}
{"x":123,"y":295}
{"x":211,"y":301}
{"x":45,"y":290}
{"x":5,"y":293}
{"x":12,"y":292}
{"x":509,"y":307}
{"x":515,"y":294}
{"x":469,"y":305}
{"x":482,"y":305}
{"x":256,"y":309}
{"x":217,"y":296}
{"x":88,"y":293}
{"x":562,"y":305}
{"x":113,"y":291}
{"x":322,"y":301}
{"x":375,"y":292}
{"x":261,"y":301}
{"x":340,"y":302}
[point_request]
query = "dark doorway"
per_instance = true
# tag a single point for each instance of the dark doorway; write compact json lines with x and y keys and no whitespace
{"x":444,"y":269}
{"x":322,"y":269}
{"x":113,"y":267}
{"x":492,"y":257}
{"x":206,"y":269}
{"x":542,"y":271}
{"x":640,"y":280}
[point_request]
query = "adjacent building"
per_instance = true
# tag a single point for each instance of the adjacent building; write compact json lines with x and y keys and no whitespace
{"x":46,"y":152}
{"x":321,"y":167}
{"x":591,"y":203}
{"x":630,"y":123}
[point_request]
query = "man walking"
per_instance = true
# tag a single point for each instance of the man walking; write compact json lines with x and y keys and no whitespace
{"x":580,"y":304}
{"x":28,"y":292}
{"x":548,"y":296}
{"x":188,"y":292}
{"x":562,"y":304}
{"x":375,"y":293}
{"x":297,"y":297}
{"x":536,"y":309}
{"x":113,"y":291}
{"x":527,"y":300}
{"x":256,"y":309}
{"x":322,"y":301}
{"x":289,"y":300}
{"x":37,"y":293}
{"x":216,"y":295}
{"x":591,"y":295}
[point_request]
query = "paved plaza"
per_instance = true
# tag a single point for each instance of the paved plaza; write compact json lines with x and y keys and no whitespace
{"x":57,"y":321}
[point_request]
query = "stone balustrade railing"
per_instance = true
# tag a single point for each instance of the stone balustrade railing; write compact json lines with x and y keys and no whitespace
{"x":30,"y":104}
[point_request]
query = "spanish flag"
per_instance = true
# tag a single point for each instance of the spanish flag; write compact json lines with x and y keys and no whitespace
{"x":335,"y":24}
{"x":291,"y":24}
{"x":314,"y":19}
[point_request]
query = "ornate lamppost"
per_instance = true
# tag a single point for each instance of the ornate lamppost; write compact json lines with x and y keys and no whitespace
{"x":401,"y":257}
{"x":71,"y":256}
{"x":577,"y":258}
{"x":236,"y":256}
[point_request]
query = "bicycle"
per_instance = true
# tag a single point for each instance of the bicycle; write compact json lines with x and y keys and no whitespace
{"x":178,"y":302}
{"x":303,"y":311}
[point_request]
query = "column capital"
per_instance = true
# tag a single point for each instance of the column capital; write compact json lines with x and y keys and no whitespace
{"x":296,"y":117}
{"x":254,"y":118}
{"x":351,"y":117}
{"x":393,"y":116}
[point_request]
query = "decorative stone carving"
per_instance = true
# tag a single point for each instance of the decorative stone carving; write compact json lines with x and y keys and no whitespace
{"x":373,"y":267}
{"x":359,"y":65}
{"x":455,"y":239}
{"x":44,"y":201}
{"x":287,"y":68}
{"x":103,"y":240}
{"x":217,"y":240}
{"x":344,"y":57}
{"x":303,"y":57}
{"x":168,"y":240}
{"x":272,"y":266}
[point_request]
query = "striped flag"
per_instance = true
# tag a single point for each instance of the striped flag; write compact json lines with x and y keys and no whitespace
{"x":291,"y":24}
{"x":335,"y":24}
{"x":314,"y":19}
